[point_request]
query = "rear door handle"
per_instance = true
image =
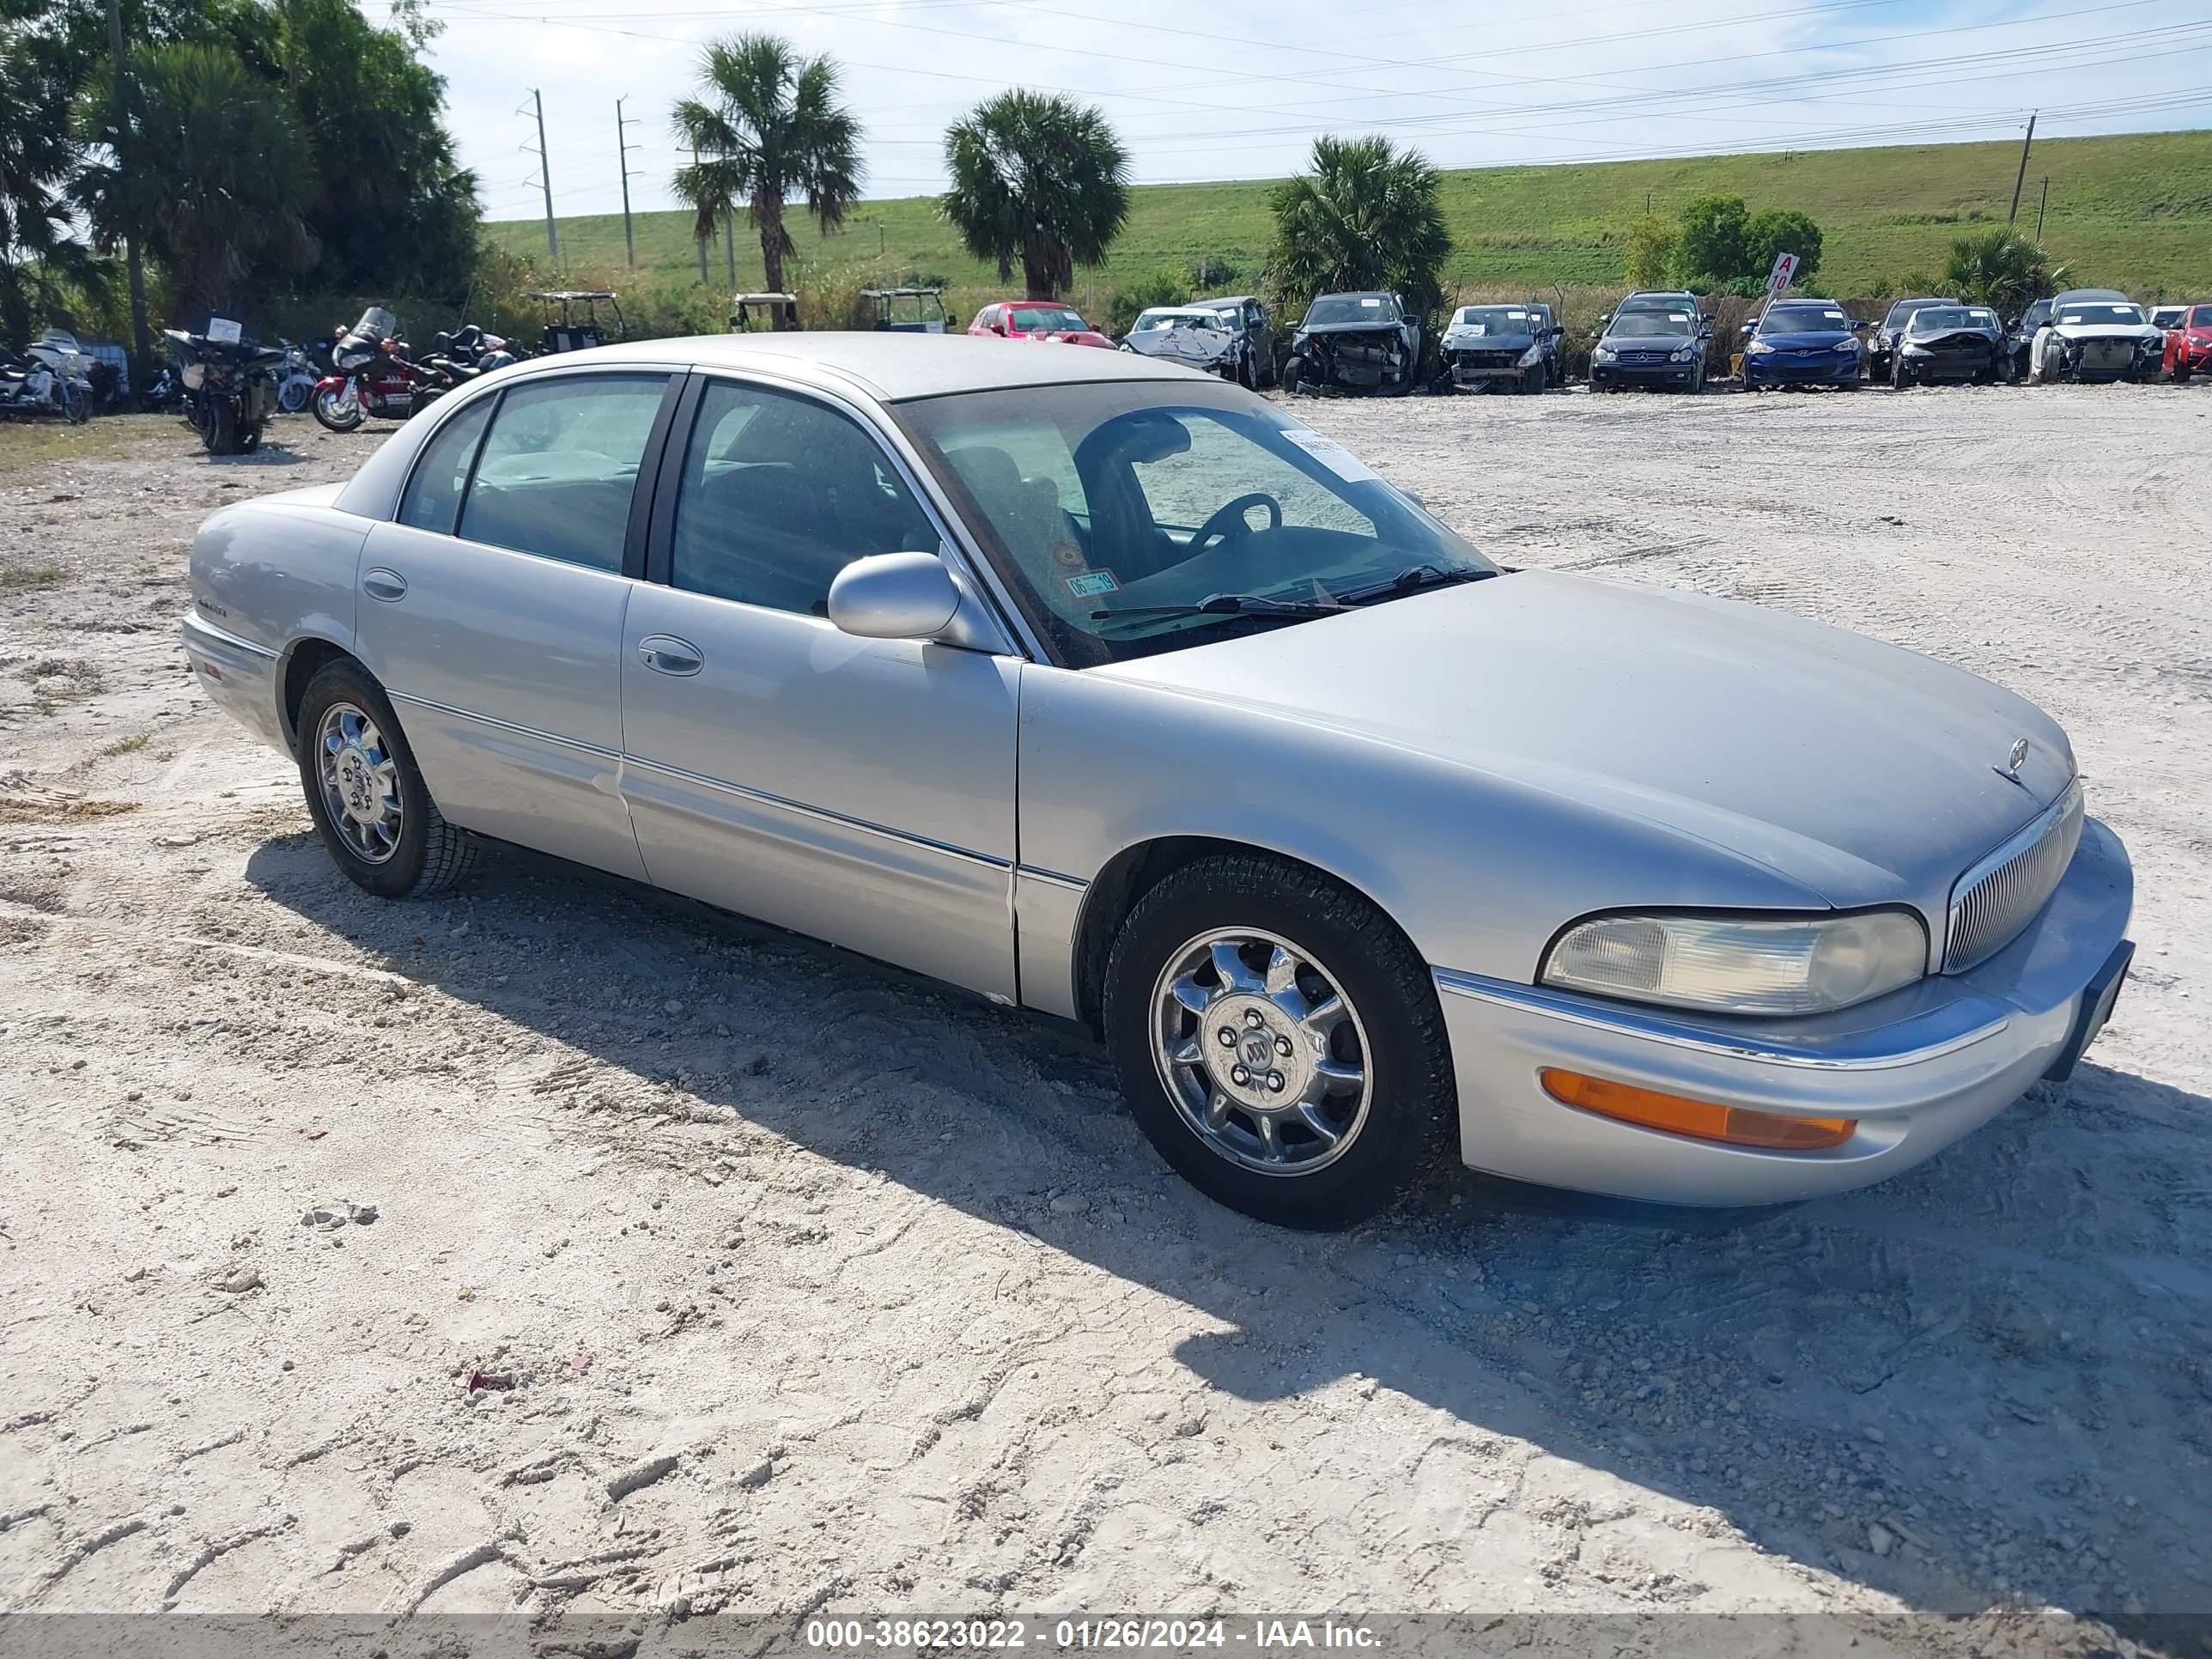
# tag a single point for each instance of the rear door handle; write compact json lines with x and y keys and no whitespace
{"x":664,"y":653}
{"x":386,"y":585}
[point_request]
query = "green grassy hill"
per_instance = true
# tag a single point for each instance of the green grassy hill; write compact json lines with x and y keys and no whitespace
{"x":2131,"y":211}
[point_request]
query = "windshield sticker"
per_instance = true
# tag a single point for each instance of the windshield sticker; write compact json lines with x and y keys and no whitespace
{"x":1370,"y":304}
{"x":1331,"y":454}
{"x":1092,"y":583}
{"x":1678,"y":316}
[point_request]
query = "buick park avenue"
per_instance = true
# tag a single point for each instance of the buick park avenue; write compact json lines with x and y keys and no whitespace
{"x":1103,"y":688}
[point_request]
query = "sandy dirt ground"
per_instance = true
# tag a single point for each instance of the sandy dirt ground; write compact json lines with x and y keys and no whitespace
{"x":561,"y":1248}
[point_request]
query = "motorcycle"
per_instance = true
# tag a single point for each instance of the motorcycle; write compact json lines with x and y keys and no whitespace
{"x":371,"y":375}
{"x":229,"y":386}
{"x":42,"y":382}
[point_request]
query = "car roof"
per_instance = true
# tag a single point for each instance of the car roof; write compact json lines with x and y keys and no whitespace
{"x":1224,"y":300}
{"x":888,"y":368}
{"x":2100,"y":296}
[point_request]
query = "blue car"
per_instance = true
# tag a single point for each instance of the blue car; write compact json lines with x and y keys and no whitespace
{"x":1802,"y":342}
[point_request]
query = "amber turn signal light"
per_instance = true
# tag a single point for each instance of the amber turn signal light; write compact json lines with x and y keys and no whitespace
{"x":1704,"y":1119}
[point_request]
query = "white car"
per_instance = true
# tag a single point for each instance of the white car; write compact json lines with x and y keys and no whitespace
{"x":2096,"y":334}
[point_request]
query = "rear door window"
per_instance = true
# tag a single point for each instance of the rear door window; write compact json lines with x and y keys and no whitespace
{"x":560,"y":464}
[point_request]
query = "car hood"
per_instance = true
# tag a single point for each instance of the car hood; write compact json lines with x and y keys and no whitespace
{"x":1820,"y":339}
{"x":2108,"y":332}
{"x":1200,"y":345}
{"x":1954,"y":336}
{"x":1459,"y":337}
{"x":1380,"y":326}
{"x":1067,"y":337}
{"x":1864,"y":773}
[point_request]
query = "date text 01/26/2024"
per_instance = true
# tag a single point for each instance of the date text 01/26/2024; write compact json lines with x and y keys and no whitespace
{"x":1263,"y":1636}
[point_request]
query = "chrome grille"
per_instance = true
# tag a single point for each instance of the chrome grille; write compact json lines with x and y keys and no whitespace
{"x":2001,"y":895}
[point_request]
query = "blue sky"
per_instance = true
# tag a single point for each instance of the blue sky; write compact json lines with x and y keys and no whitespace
{"x":1237,"y":89}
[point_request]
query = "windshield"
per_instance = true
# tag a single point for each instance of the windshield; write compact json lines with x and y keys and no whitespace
{"x":1903,"y":310}
{"x":1352,"y":308}
{"x":2088,"y":315}
{"x":1148,"y":321}
{"x":1494,"y":319}
{"x":1804,"y":320}
{"x":1939,"y":319}
{"x":2201,"y":316}
{"x":1635,"y":302}
{"x":1046,"y":320}
{"x":1653,"y":325}
{"x":1104,"y":496}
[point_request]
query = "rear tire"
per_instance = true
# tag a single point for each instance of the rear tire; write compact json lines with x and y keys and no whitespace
{"x":221,"y":435}
{"x":426,"y":854}
{"x":1382,"y":1064}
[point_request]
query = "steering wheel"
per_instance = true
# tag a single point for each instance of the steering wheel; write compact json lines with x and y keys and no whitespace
{"x":1228,"y":520}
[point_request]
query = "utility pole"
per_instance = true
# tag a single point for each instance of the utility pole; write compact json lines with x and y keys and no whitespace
{"x":700,"y":242}
{"x":622,"y":152}
{"x":141,"y":337}
{"x":730,"y":248}
{"x":2021,"y":178}
{"x":2039,"y":206}
{"x":545,"y":179}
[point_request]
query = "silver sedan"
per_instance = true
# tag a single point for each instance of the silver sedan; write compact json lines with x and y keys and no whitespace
{"x":1105,"y":689}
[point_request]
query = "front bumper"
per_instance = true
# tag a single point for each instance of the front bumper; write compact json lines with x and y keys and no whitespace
{"x":1605,"y":374}
{"x":1918,"y":1068}
{"x":1781,"y":368}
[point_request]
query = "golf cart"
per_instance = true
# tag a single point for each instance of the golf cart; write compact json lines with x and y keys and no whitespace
{"x":751,"y":313}
{"x":906,"y":310}
{"x":570,"y":332}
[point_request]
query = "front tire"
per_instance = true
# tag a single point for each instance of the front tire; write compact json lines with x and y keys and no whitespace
{"x":1334,"y":1088}
{"x":370,"y":806}
{"x":336,"y":412}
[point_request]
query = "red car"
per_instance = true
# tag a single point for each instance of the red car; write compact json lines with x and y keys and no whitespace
{"x":1037,"y":319}
{"x":2189,"y":343}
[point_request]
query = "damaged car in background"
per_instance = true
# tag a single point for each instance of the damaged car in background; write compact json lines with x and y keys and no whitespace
{"x":1196,"y":338}
{"x":1948,"y":342}
{"x":1493,"y":349}
{"x":2096,"y":334}
{"x":1355,"y":343}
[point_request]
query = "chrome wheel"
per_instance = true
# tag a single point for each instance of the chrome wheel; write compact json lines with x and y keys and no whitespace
{"x":359,"y":783}
{"x":1261,"y":1052}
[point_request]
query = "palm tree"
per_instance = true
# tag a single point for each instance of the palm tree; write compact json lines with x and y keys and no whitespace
{"x":2001,"y":269}
{"x":39,"y":257}
{"x":198,"y":173}
{"x":1367,"y":217}
{"x":1039,"y":179}
{"x":768,"y":127}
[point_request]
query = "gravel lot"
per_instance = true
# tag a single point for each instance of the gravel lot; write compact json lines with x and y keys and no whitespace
{"x":567,"y":1248}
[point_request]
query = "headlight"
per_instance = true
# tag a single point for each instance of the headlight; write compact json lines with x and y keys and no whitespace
{"x":1605,"y":354}
{"x":1756,"y":349}
{"x":1531,"y":356}
{"x":1851,"y":346}
{"x":1742,"y":965}
{"x":1684,"y":354}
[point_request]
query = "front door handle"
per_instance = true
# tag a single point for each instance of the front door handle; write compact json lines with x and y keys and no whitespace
{"x":664,"y":653}
{"x":386,"y":585}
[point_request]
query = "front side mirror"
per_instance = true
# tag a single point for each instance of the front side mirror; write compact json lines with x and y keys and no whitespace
{"x":1749,"y":328}
{"x":894,"y":596}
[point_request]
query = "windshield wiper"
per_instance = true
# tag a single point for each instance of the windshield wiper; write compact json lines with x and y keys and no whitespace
{"x":1226,"y":604}
{"x":1421,"y":576}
